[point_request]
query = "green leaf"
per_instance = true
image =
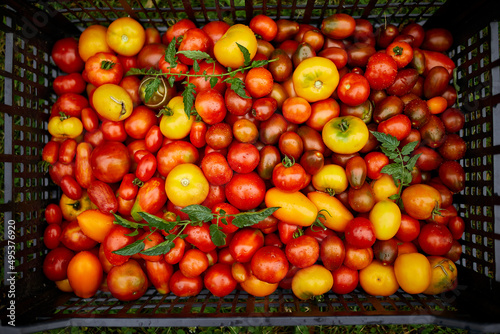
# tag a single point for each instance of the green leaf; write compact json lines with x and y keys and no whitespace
{"x":131,"y":249}
{"x":152,"y":71}
{"x":126,"y":223}
{"x":188,"y":97}
{"x":238,"y":86}
{"x":198,"y":213}
{"x":171,"y":81}
{"x":157,"y":222}
{"x":245,"y":219}
{"x":196,"y":66}
{"x":135,"y":71}
{"x":246,"y":54}
{"x":408,"y":148}
{"x":133,"y":234}
{"x":391,"y":169}
{"x":151,"y":88}
{"x":160,"y":249}
{"x":213,"y":82}
{"x":218,"y":237}
{"x":170,"y":53}
{"x":259,"y":63}
{"x":394,"y":197}
{"x":388,"y":141}
{"x":413,"y":160}
{"x":194,"y":54}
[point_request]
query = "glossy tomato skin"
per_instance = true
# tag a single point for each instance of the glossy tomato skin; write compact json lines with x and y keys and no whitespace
{"x":175,"y":153}
{"x":420,"y":200}
{"x":338,"y":26}
{"x":116,"y":239}
{"x":150,"y":56}
{"x":303,"y":251}
{"x":219,"y":280}
{"x":245,"y":191}
{"x":452,"y":175}
{"x":110,"y":162}
{"x":199,"y":236}
{"x":353,"y":89}
{"x":70,"y":83}
{"x":345,"y":280}
{"x":65,"y":55}
{"x":53,"y":214}
{"x":245,"y":243}
{"x":85,"y":274}
{"x":360,"y":233}
{"x":73,"y":238}
{"x":435,"y":239}
{"x":56,"y":263}
{"x":398,"y":126}
{"x":159,"y":273}
{"x":270,"y":264}
{"x":127,"y":281}
{"x":289,"y":178}
{"x":194,"y":39}
{"x":381,"y":71}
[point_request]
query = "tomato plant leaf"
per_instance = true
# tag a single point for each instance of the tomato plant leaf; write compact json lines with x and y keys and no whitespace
{"x":126,"y":223}
{"x":160,"y":249}
{"x":153,"y":71}
{"x":394,"y":197}
{"x":170,"y":52}
{"x":133,"y":234}
{"x":386,"y":140}
{"x":245,"y":219}
{"x":196,"y":66}
{"x":198,"y":213}
{"x":157,"y":222}
{"x":238,"y":86}
{"x":391,"y":169}
{"x":259,"y":63}
{"x":134,"y":71}
{"x":194,"y":54}
{"x":246,"y":54}
{"x":188,"y":97}
{"x":408,"y":148}
{"x":218,"y":237}
{"x":413,"y":160}
{"x":134,"y":248}
{"x":171,"y":81}
{"x":213,"y":82}
{"x":151,"y":88}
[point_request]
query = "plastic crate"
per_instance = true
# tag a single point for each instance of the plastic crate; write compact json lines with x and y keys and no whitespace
{"x":27,"y":32}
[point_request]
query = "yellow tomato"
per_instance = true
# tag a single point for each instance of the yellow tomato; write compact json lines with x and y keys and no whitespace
{"x":331,"y":179}
{"x":174,"y":123}
{"x":315,"y":79}
{"x":384,"y":187}
{"x":413,"y":272}
{"x":112,"y":102}
{"x":295,"y":207}
{"x":226,"y":50}
{"x":126,"y":36}
{"x":444,"y":275}
{"x":71,"y":209}
{"x":378,"y":279}
{"x":64,"y":286}
{"x":312,"y":281}
{"x":95,"y":224}
{"x":345,"y":134}
{"x":65,"y":127}
{"x":386,"y":218}
{"x":258,"y":288}
{"x":336,"y":214}
{"x":93,"y":40}
{"x":186,"y":185}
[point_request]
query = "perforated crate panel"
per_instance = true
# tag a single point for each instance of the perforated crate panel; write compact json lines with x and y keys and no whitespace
{"x":28,"y":31}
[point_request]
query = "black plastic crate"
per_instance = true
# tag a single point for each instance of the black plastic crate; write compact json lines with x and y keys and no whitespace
{"x":28,"y":30}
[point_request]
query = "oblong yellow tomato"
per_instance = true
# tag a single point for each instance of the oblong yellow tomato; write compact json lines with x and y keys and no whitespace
{"x":95,"y":224}
{"x":312,"y":281}
{"x":93,"y":40}
{"x":186,"y":185}
{"x":126,"y":36}
{"x":386,"y":218}
{"x":444,"y":275}
{"x":174,"y":123}
{"x":226,"y":50}
{"x":378,"y":279}
{"x":413,"y":272}
{"x":331,"y":179}
{"x":345,"y":134}
{"x":384,"y":187}
{"x":112,"y":102}
{"x":336,"y":216}
{"x":294,"y":207}
{"x":315,"y":79}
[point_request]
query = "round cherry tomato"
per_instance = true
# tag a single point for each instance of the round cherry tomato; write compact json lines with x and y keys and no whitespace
{"x":219,"y":280}
{"x":269,"y":264}
{"x":245,"y":191}
{"x":302,"y":251}
{"x":289,"y":176}
{"x":421,"y":201}
{"x":381,"y":71}
{"x":435,"y":239}
{"x":139,"y":122}
{"x":55,"y":264}
{"x":353,"y":89}
{"x":65,"y":55}
{"x":110,"y":162}
{"x":360,"y":233}
{"x":104,"y":68}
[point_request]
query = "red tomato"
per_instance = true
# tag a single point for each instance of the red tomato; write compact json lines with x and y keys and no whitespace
{"x":110,"y":162}
{"x":127,"y":281}
{"x":303,"y":251}
{"x":401,"y":52}
{"x":210,"y":106}
{"x":53,"y":214}
{"x":359,"y":232}
{"x":73,"y":238}
{"x":216,"y":168}
{"x":219,"y":280}
{"x":375,"y":161}
{"x":104,"y":68}
{"x":183,"y":286}
{"x":194,"y":39}
{"x":159,"y":273}
{"x":71,"y":104}
{"x":435,"y":239}
{"x":452,"y":175}
{"x":381,"y":71}
{"x":215,"y":30}
{"x":150,"y":56}
{"x":55,"y":264}
{"x":345,"y":280}
{"x":113,"y":131}
{"x":409,"y":228}
{"x":296,"y":110}
{"x":398,"y":126}
{"x":71,"y":83}
{"x":177,"y":30}
{"x":456,"y":225}
{"x":259,"y":82}
{"x":245,"y":191}
{"x":193,"y":263}
{"x":175,"y":153}
{"x":245,"y":243}
{"x":264,"y":26}
{"x":51,"y":236}
{"x":139,"y":122}
{"x":199,"y":236}
{"x":67,"y":151}
{"x":243,"y":157}
{"x":353,"y":89}
{"x":65,"y":55}
{"x":289,"y":176}
{"x":269,"y":264}
{"x":116,"y":239}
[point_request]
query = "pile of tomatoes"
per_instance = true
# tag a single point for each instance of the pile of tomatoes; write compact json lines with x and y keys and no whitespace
{"x":296,"y":134}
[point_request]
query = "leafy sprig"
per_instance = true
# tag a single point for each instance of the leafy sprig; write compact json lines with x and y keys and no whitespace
{"x":401,"y":167}
{"x":189,"y":91}
{"x":197,"y":215}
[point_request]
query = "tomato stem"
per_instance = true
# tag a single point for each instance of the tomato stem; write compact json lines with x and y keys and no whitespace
{"x":398,"y":51}
{"x":287,"y":162}
{"x":107,"y":65}
{"x":344,"y":125}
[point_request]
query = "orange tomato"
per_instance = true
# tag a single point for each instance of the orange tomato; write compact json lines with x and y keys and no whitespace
{"x":413,"y":272}
{"x":93,"y":40}
{"x":437,"y":104}
{"x":295,"y":207}
{"x":378,"y":279}
{"x":85,"y":274}
{"x":126,"y":36}
{"x":258,"y":288}
{"x":64,"y":286}
{"x":95,"y":224}
{"x":337,"y":215}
